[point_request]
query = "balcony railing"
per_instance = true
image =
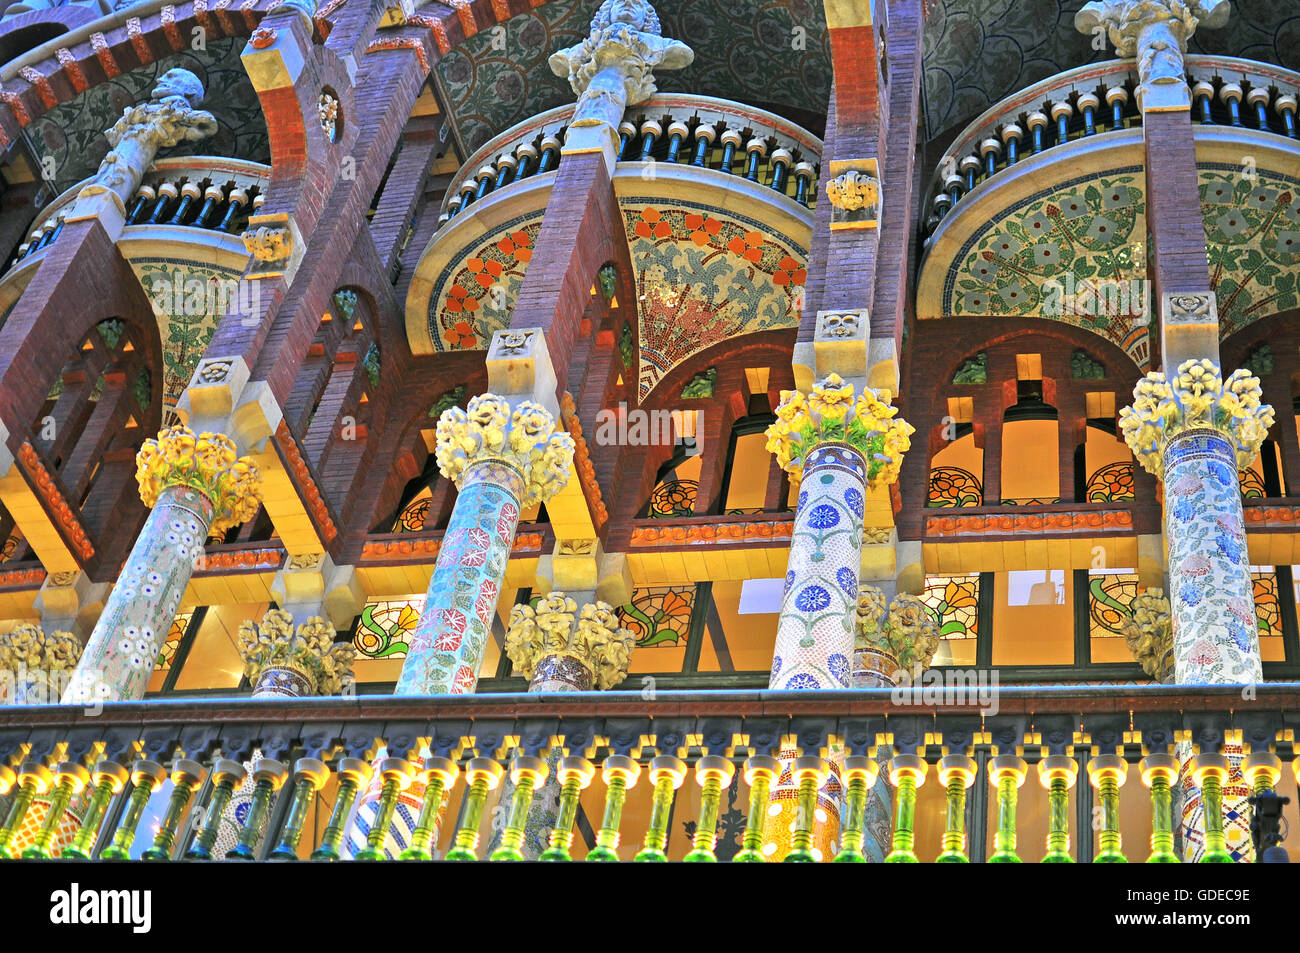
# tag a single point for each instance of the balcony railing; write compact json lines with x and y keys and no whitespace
{"x":1098,"y":99}
{"x":679,"y":129}
{"x":613,"y":742}
{"x":204,"y":192}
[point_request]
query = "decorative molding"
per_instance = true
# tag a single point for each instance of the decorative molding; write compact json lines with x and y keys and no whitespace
{"x":854,"y":193}
{"x":217,"y":561}
{"x":319,"y":509}
{"x":22,"y":579}
{"x":1061,"y":523}
{"x":425,"y":548}
{"x":65,"y":518}
{"x":668,"y":534}
{"x":586,"y":470}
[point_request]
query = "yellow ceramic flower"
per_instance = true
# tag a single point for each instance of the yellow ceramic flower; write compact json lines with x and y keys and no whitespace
{"x":832,"y":398}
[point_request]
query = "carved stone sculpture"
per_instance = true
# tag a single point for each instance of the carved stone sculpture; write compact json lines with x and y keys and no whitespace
{"x":612,"y":68}
{"x":169,"y":118}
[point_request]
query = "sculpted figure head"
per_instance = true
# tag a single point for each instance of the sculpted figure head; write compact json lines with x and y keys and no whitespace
{"x":179,"y":83}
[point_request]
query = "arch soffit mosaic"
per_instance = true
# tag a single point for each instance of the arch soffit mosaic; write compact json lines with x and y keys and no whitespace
{"x":1008,"y":253}
{"x":729,"y":260}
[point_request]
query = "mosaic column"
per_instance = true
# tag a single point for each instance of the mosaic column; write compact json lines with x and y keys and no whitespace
{"x":837,"y":447}
{"x":891,"y":639}
{"x":196,"y":487}
{"x":502,"y":462}
{"x":559,"y":649}
{"x":1195,"y":432}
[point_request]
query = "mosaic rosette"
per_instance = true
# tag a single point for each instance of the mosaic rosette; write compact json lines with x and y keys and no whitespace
{"x":815,"y":632}
{"x":124,"y":646}
{"x":1215,"y":634}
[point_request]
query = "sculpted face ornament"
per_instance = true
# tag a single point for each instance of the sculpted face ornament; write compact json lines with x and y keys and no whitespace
{"x":840,"y":324}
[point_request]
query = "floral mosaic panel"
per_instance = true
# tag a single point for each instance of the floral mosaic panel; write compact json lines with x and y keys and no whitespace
{"x":1074,"y":253}
{"x":954,"y":603}
{"x":659,"y":615}
{"x":1268,"y":614}
{"x":1252,"y":237}
{"x":703,"y":277}
{"x":72,"y":133}
{"x":953,"y":486}
{"x":1110,"y":602}
{"x":744,"y":51}
{"x":475,"y":294}
{"x":189,"y":301}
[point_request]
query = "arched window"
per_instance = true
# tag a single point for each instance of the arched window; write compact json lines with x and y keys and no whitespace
{"x":1030,"y":460}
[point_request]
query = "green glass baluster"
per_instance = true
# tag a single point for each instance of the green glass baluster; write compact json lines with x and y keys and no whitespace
{"x":109,"y":778}
{"x":481,"y":775}
{"x":1159,"y":772}
{"x":1262,"y":769}
{"x":1057,"y":774}
{"x":956,"y":773}
{"x":269,"y":776}
{"x":1209,"y":771}
{"x":575,"y":774}
{"x":353,"y":774}
{"x":186,"y":776}
{"x":619,"y":773}
{"x":439,"y":776}
{"x":760,"y":771}
{"x":666,"y":774}
{"x":397,"y":774}
{"x":1007,"y":772}
{"x":146,"y":776}
{"x":860,"y":773}
{"x":1107,"y":772}
{"x":712,"y":773}
{"x":34,"y":779}
{"x":809,"y":773}
{"x":226,"y":775}
{"x":526,"y":773}
{"x":70,"y":780}
{"x":906,"y":774}
{"x":309,"y":776}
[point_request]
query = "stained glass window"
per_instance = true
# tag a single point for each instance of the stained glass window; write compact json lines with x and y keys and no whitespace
{"x":659,"y":615}
{"x":953,"y":486}
{"x":1112,"y":483}
{"x":953,"y":601}
{"x":10,"y":548}
{"x":414,"y":513}
{"x":1110,"y":602}
{"x":167,"y":654}
{"x":1268,"y":615}
{"x":384,"y":628}
{"x":1252,"y":484}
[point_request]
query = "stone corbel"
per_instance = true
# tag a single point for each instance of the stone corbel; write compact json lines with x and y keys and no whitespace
{"x":839,"y":346}
{"x":1189,"y":327}
{"x":519,"y":368}
{"x":275,"y":244}
{"x":583,"y":566}
{"x":311,"y":584}
{"x":854,"y":193}
{"x":276,"y":56}
{"x":70,"y":602}
{"x":220,"y":398}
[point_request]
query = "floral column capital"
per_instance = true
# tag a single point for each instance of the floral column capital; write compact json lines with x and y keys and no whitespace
{"x":597,"y":642}
{"x":208,"y":464}
{"x":1149,"y":633}
{"x":488,"y":431}
{"x":904,"y":633}
{"x":282,"y":661}
{"x":835,"y":412}
{"x":1197,"y":398}
{"x":30,"y":656}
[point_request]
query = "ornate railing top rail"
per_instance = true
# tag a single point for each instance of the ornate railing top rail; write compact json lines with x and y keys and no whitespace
{"x":1101,"y":97}
{"x":210,"y":192}
{"x":650,"y":128}
{"x":1276,"y":701}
